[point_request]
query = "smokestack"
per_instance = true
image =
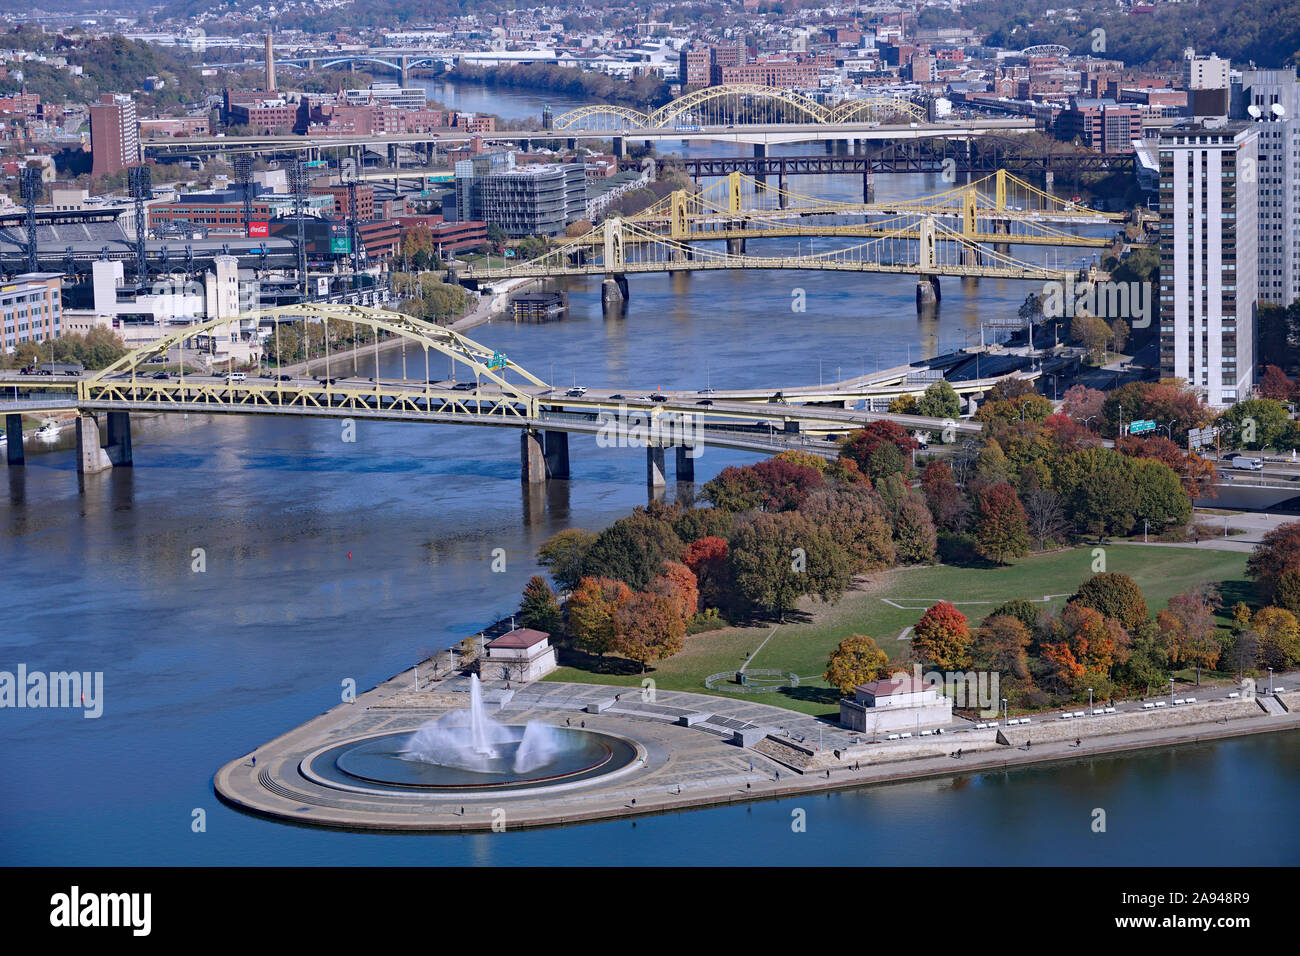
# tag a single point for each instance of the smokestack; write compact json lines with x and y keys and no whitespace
{"x":270,"y":66}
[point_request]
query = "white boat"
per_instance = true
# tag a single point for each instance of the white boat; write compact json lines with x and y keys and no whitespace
{"x":48,"y":432}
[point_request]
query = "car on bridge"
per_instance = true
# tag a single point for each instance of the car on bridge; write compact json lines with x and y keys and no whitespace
{"x":162,"y":375}
{"x":577,"y":391}
{"x":658,"y":397}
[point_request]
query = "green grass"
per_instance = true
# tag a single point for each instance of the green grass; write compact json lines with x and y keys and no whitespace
{"x":803,"y":643}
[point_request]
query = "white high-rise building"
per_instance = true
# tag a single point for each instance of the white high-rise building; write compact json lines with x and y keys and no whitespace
{"x":1270,"y":100}
{"x":1208,"y":243}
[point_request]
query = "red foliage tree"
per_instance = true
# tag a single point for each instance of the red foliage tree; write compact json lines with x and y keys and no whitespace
{"x":1274,"y":384}
{"x":707,"y":559}
{"x":863,"y":442}
{"x":1279,"y":551}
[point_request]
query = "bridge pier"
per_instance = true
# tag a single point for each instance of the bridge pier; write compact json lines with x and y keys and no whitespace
{"x":830,"y":147}
{"x":735,"y":247}
{"x":118,"y":446}
{"x":557,"y":454}
{"x":14,"y":434}
{"x":654,"y":467}
{"x":780,"y":184}
{"x":868,"y":184}
{"x":1049,"y":181}
{"x":618,"y":147}
{"x":91,"y":458}
{"x":927,"y":292}
{"x":614,"y":294}
{"x":684,"y":466}
{"x":532,"y":459}
{"x":970,"y":257}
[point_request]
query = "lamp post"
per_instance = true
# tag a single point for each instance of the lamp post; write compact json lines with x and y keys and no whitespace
{"x":1270,"y":682}
{"x":1004,"y":710}
{"x":1087,"y":420}
{"x":1171,"y":688}
{"x":1090,"y":710}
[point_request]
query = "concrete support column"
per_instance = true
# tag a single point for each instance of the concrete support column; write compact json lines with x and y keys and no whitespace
{"x":685,"y":464}
{"x":654,"y":467}
{"x":91,"y":458}
{"x":14,"y":437}
{"x":613,"y":295}
{"x":927,"y":292}
{"x":780,"y":184}
{"x":532,"y":459}
{"x":1049,"y":181}
{"x":736,"y":247}
{"x":868,"y":185}
{"x":618,"y":149}
{"x":118,"y":446}
{"x":830,"y":147}
{"x":557,"y":454}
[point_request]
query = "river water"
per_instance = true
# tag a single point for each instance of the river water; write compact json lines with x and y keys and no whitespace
{"x":325,"y":560}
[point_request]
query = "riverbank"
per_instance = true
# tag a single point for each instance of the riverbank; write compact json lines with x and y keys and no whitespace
{"x":686,"y":756}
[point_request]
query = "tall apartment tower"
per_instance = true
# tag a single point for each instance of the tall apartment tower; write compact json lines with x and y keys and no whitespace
{"x":114,"y":134}
{"x":1270,"y":101}
{"x":1208,"y":243}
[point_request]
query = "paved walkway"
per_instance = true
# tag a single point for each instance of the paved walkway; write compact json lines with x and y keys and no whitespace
{"x":677,"y":766}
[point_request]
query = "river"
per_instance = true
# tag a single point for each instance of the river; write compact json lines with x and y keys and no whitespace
{"x":324,"y":560}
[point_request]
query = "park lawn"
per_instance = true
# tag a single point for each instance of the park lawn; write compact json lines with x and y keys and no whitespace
{"x":886,"y":604}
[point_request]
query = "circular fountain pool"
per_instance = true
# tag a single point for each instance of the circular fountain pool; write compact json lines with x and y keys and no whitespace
{"x":396,"y":762}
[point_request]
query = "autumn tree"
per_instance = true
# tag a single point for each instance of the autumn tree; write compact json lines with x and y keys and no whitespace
{"x":1001,"y":645}
{"x":592,"y":607}
{"x":992,"y":467}
{"x":539,"y":608}
{"x":707,"y":559}
{"x":1189,"y":629}
{"x":1279,"y":637}
{"x":1001,"y":531}
{"x":857,"y":660}
{"x":1277,"y":552}
{"x":1287,"y":593}
{"x":942,"y":639}
{"x":1082,"y":402}
{"x":948,"y":506}
{"x":633,"y":549}
{"x":679,"y":585}
{"x":648,"y":627}
{"x":1114,"y":595}
{"x":915,"y":538}
{"x":855,"y":518}
{"x":1275,"y":385}
{"x":776,"y":559}
{"x":1097,"y":487}
{"x":861,"y":443}
{"x":564,"y":554}
{"x":1045,"y":517}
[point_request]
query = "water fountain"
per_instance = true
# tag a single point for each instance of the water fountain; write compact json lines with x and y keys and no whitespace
{"x":466,"y":750}
{"x":471,"y":740}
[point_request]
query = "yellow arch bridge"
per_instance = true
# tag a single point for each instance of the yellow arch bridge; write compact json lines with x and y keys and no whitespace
{"x":497,"y":393}
{"x":748,"y":103}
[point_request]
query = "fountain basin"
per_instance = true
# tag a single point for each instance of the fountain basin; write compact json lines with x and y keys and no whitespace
{"x":385,"y":762}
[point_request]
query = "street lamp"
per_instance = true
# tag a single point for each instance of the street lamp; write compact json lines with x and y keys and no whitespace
{"x":1087,"y":420}
{"x":1171,"y":688}
{"x":1090,"y":710}
{"x":1004,"y":710}
{"x":1270,"y":682}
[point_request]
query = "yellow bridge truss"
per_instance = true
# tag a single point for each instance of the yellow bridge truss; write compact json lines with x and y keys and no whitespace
{"x":922,"y":246}
{"x":717,"y":105}
{"x":495,"y":393}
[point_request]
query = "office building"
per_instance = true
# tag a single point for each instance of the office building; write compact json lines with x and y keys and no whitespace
{"x":114,"y":134}
{"x":1270,"y":101}
{"x":31,"y":308}
{"x":1208,"y":246}
{"x":524,"y":201}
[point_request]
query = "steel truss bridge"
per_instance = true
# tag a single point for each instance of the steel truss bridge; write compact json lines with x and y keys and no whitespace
{"x":502,"y":394}
{"x":740,"y":207}
{"x":734,"y":103}
{"x":666,"y":236}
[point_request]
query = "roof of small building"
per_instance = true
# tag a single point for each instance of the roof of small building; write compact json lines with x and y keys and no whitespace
{"x":894,"y":685}
{"x":519,"y":637}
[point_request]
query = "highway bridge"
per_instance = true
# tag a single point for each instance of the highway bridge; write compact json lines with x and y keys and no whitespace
{"x":501,"y":394}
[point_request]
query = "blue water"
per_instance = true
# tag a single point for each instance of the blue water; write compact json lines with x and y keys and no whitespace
{"x":328,"y":561}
